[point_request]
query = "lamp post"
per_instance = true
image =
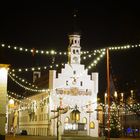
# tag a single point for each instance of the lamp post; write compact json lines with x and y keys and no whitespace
{"x":58,"y":110}
{"x":3,"y":98}
{"x":59,"y":123}
{"x":89,"y":112}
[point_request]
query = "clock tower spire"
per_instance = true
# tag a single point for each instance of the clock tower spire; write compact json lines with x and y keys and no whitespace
{"x":74,"y":48}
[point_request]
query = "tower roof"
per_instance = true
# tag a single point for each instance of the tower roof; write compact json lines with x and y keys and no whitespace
{"x":75,"y":30}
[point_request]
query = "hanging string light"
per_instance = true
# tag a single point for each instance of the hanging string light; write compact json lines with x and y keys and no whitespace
{"x":34,"y":51}
{"x":95,"y":61}
{"x":25,"y":87}
{"x":36,"y":68}
{"x":23,"y":80}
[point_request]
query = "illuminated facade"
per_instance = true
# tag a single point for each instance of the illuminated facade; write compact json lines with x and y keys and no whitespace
{"x":70,"y":102}
{"x":3,"y":99}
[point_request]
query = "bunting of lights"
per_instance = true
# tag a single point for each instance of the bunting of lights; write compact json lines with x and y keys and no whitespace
{"x":34,"y":51}
{"x":23,"y":80}
{"x":95,"y":61}
{"x":50,"y":66}
{"x":36,"y":68}
{"x":25,"y":87}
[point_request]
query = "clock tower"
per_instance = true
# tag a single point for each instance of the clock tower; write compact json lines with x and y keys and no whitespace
{"x":74,"y":49}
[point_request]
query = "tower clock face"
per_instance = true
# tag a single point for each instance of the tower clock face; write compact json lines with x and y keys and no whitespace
{"x":75,"y":59}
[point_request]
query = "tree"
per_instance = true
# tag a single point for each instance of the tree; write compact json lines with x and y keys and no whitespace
{"x":114,"y":121}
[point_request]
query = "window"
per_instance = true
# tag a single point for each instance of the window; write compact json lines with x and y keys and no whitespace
{"x":67,"y":83}
{"x":84,"y":120}
{"x":81,"y":83}
{"x":74,"y":72}
{"x":77,"y":51}
{"x":73,"y":51}
{"x":92,"y":125}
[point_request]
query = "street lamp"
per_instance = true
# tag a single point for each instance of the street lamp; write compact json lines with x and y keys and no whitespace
{"x":89,"y":112}
{"x":58,"y":110}
{"x":75,"y":114}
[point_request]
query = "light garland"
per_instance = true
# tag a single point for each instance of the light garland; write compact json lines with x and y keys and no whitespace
{"x":34,"y":51}
{"x":23,"y":80}
{"x":27,"y":88}
{"x":17,"y":100}
{"x":24,"y":98}
{"x":36,"y":68}
{"x":95,"y":62}
{"x":115,"y":48}
{"x":50,"y":66}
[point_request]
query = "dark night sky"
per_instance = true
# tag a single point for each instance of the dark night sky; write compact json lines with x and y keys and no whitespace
{"x":102,"y":24}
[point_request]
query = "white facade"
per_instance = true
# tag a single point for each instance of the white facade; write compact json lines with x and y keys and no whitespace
{"x":34,"y":116}
{"x":71,"y":88}
{"x":74,"y":87}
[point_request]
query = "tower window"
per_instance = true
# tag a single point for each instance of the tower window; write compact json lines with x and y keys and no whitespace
{"x":67,"y":83}
{"x":74,"y":72}
{"x":77,"y":51}
{"x":81,"y":83}
{"x":73,"y":51}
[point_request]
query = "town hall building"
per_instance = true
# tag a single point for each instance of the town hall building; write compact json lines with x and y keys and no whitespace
{"x":69,"y":107}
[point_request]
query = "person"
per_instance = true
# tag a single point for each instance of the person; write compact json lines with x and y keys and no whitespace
{"x":15,"y":122}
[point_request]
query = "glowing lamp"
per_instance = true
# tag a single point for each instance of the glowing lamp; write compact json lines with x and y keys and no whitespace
{"x":11,"y":103}
{"x":75,"y":115}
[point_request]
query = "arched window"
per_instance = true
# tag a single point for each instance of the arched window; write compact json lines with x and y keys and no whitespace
{"x":73,"y":51}
{"x":92,"y":125}
{"x":84,"y":120}
{"x":77,"y":51}
{"x":67,"y":120}
{"x":67,"y":83}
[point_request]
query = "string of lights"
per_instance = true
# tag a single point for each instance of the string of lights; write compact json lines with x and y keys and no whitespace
{"x":34,"y":51}
{"x":25,"y":87}
{"x":23,"y":80}
{"x":17,"y":100}
{"x":24,"y":100}
{"x":50,"y":66}
{"x":36,"y":68}
{"x":128,"y":108}
{"x":95,"y":61}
